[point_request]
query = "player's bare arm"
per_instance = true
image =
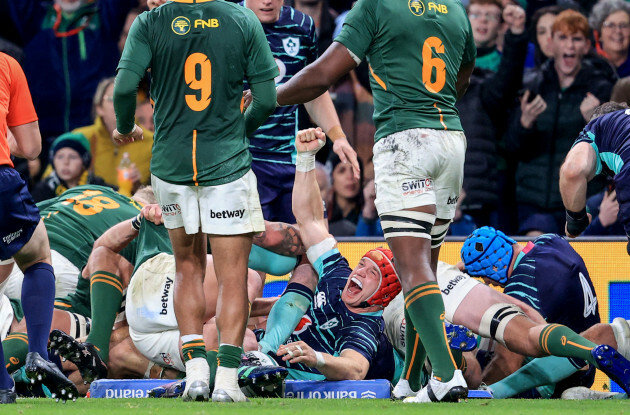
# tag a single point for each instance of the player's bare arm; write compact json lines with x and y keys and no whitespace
{"x":349,"y":365}
{"x":323,"y":113}
{"x":27,"y":140}
{"x":307,"y":201}
{"x":317,"y":77}
{"x":578,"y":168}
{"x":281,"y":238}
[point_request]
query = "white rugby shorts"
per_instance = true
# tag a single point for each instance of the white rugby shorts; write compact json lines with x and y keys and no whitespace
{"x":419,"y":167}
{"x":228,"y":209}
{"x":151,"y":313}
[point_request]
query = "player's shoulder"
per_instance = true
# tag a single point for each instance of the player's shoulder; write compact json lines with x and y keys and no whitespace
{"x":299,"y":21}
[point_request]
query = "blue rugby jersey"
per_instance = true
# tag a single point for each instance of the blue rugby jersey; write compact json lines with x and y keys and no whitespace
{"x":608,"y":135}
{"x":293,"y":44}
{"x":552,"y":278}
{"x":328,"y":326}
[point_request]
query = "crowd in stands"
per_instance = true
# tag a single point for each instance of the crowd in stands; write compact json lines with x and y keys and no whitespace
{"x":536,"y":82}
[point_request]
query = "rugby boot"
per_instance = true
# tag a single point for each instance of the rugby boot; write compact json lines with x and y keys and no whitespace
{"x":460,"y":338}
{"x":613,"y":364}
{"x":46,"y":372}
{"x":170,"y":390}
{"x":258,"y":381}
{"x":226,"y":386}
{"x":621,"y":330}
{"x":83,"y":355}
{"x":436,"y":391}
{"x":584,"y":393}
{"x":403,"y":390}
{"x":8,"y":395}
{"x":197,"y":383}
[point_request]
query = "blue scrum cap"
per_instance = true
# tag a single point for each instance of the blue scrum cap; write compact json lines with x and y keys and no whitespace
{"x":487,"y":252}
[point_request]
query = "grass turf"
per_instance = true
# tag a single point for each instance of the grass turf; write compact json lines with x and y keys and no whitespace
{"x":311,"y":406}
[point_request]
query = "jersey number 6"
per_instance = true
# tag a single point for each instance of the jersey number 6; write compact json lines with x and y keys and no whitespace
{"x":429,"y":63}
{"x":198,"y":77}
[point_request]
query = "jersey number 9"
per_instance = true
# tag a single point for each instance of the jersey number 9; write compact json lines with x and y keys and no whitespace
{"x":429,"y":63}
{"x":198,"y":77}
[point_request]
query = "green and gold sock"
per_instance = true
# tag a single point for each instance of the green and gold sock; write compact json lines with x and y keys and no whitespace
{"x":193,"y":347}
{"x":559,"y":340}
{"x":15,"y":347}
{"x":106,"y":291}
{"x":229,"y":356}
{"x":414,"y":355}
{"x":211,"y":357}
{"x":425,"y":307}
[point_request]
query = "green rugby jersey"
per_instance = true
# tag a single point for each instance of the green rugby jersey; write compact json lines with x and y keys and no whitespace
{"x":152,"y":240}
{"x":80,"y":215}
{"x":415,"y":49}
{"x":199,"y":53}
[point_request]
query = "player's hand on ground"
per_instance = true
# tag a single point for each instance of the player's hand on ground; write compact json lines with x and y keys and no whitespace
{"x":311,"y":140}
{"x":588,"y":105}
{"x":346,"y":154}
{"x":247,"y":99}
{"x":531,"y":110}
{"x":608,"y":209}
{"x":152,"y":4}
{"x":135,"y":135}
{"x":298,"y":352}
{"x":152,"y":213}
{"x":514,"y":17}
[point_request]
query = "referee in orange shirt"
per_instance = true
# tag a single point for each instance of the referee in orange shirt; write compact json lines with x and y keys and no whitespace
{"x":23,"y":237}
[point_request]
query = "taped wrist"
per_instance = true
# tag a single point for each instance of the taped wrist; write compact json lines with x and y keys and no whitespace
{"x":577,"y":222}
{"x":305,"y":161}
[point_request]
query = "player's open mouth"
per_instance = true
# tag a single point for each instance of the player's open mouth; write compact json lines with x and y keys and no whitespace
{"x":569,"y":59}
{"x":355,"y":286}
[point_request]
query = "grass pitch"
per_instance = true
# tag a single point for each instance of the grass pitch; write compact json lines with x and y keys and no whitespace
{"x":312,"y":406}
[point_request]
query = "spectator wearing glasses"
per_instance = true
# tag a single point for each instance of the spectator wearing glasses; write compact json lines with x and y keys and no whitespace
{"x":610,"y":20}
{"x":485,"y":20}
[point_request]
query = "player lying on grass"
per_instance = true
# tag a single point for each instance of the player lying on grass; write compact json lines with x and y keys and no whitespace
{"x":329,"y":325}
{"x":505,"y":319}
{"x":153,"y":241}
{"x":550,"y":277}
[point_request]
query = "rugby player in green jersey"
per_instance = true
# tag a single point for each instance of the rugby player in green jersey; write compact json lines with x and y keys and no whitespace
{"x":421,"y":54}
{"x":74,"y":221}
{"x":199,"y":52}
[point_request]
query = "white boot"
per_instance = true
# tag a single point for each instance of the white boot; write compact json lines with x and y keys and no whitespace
{"x":403,"y":390}
{"x":226,"y":386}
{"x":436,"y":391}
{"x":197,"y":380}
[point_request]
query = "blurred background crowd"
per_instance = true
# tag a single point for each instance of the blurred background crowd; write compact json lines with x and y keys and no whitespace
{"x":531,"y":94}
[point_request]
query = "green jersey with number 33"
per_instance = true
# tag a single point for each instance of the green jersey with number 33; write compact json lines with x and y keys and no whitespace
{"x":199,"y":53}
{"x":415,"y":49}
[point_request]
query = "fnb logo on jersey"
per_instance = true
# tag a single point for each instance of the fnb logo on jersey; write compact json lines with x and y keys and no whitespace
{"x":210,"y":23}
{"x":440,"y":8}
{"x":180,"y":25}
{"x":304,"y":323}
{"x":413,"y":187}
{"x":416,"y":7}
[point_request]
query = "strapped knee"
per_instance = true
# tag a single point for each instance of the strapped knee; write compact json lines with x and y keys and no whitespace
{"x":496,"y":318}
{"x":438,"y":233}
{"x":407,"y":223}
